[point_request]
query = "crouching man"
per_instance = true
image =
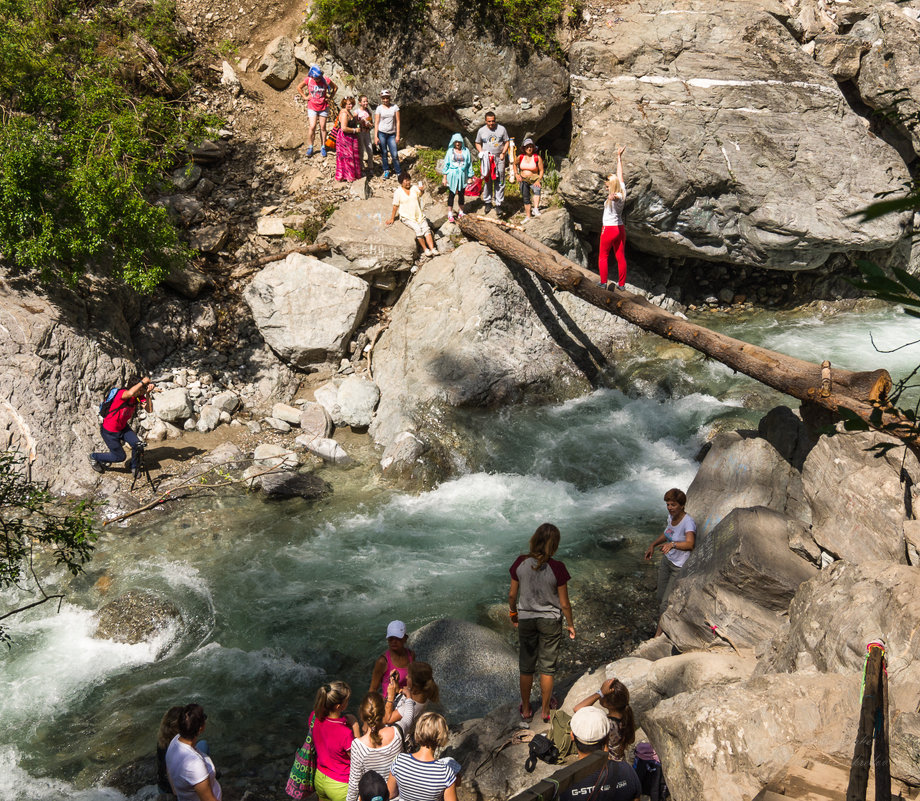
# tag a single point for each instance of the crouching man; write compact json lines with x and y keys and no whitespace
{"x":115,"y":427}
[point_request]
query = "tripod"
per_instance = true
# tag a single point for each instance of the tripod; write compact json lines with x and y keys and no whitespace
{"x":140,"y":467}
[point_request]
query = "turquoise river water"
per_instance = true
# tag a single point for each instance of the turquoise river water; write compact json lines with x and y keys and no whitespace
{"x":278,"y":597}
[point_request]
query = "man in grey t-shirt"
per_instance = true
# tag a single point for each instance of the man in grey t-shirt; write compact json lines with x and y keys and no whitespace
{"x":492,"y":140}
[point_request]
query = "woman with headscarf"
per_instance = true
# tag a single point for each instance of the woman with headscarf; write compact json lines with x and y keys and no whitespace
{"x":458,"y":167}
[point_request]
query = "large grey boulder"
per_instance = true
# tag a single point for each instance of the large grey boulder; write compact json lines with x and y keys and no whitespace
{"x":741,"y":148}
{"x":471,"y":331}
{"x":451,"y":71}
{"x":742,"y":470}
{"x":741,"y":577}
{"x":294,"y":485}
{"x":278,"y":66}
{"x":356,"y":230}
{"x":857,"y":501}
{"x":138,"y":616}
{"x":475,"y":667}
{"x":173,"y":405}
{"x":728,"y":741}
{"x":839,"y":611}
{"x":306,"y":310}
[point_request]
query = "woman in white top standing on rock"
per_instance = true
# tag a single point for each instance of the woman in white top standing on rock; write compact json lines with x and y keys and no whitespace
{"x":613,"y":234}
{"x":678,"y":539}
{"x":376,"y":748}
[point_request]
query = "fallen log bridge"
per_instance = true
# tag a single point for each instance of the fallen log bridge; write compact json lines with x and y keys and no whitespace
{"x":863,"y":394}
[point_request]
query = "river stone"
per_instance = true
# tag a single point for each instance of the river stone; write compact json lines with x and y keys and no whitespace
{"x":283,"y":411}
{"x":184,"y":178}
{"x":742,"y":470}
{"x":270,"y":226}
{"x":356,"y":400}
{"x":327,"y":449}
{"x":315,"y":421}
{"x":229,"y":79}
{"x":208,"y":418}
{"x":227,"y":454}
{"x":294,"y":485}
{"x":226,"y":401}
{"x":402,"y":455}
{"x":135,"y":617}
{"x":173,"y":405}
{"x":278,"y":66}
{"x":306,"y":310}
{"x":450,"y":74}
{"x":474,"y":667}
{"x":210,"y":238}
{"x":555,"y":229}
{"x":857,"y":502}
{"x":728,"y":741}
{"x":276,"y":424}
{"x":268,"y":455}
{"x":844,"y":607}
{"x":188,"y":281}
{"x":156,"y":432}
{"x":715,"y":101}
{"x":356,"y":231}
{"x":470,"y":331}
{"x":740,"y":577}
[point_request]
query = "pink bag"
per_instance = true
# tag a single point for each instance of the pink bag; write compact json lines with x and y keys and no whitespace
{"x":473,"y":187}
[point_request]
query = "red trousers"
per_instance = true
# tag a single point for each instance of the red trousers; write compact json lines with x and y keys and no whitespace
{"x":612,"y":236}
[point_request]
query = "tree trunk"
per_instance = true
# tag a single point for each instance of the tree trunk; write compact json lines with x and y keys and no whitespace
{"x":865,"y":394}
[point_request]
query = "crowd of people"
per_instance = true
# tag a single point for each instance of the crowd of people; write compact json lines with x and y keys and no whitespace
{"x":357,"y":132}
{"x":391,"y":748}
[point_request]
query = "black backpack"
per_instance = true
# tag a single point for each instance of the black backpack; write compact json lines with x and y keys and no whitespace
{"x":541,"y":747}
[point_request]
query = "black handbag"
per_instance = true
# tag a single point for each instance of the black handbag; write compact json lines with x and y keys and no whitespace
{"x":541,"y":747}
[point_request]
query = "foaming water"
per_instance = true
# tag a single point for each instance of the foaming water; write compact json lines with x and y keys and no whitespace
{"x":276,"y":598}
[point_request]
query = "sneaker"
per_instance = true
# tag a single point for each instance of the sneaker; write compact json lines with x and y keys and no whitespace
{"x":450,"y":216}
{"x":322,"y":151}
{"x":97,"y":466}
{"x":461,"y":213}
{"x":386,"y":174}
{"x":309,"y":151}
{"x":487,"y":208}
{"x":498,"y":211}
{"x":536,"y":212}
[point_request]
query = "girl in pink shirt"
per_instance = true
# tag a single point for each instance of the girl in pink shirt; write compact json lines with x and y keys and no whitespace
{"x":333,"y":732}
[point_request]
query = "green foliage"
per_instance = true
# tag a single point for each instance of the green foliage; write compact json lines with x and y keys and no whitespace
{"x":85,"y":137}
{"x":32,"y":523}
{"x":551,"y":176}
{"x":531,"y":22}
{"x":349,"y":19}
{"x":427,"y":165}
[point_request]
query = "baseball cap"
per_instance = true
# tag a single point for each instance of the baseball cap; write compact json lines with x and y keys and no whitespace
{"x":396,"y":629}
{"x":528,"y":141}
{"x":385,"y":93}
{"x":590,"y":725}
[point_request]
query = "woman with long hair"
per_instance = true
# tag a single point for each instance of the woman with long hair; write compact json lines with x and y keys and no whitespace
{"x":613,"y":234}
{"x":405,"y":707}
{"x":333,"y":733}
{"x":422,"y":776}
{"x":538,"y":600}
{"x":614,"y":698}
{"x":191,"y":773}
{"x":347,"y":146}
{"x":376,"y":748}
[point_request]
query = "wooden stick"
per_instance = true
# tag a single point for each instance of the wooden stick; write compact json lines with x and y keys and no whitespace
{"x":246,"y":268}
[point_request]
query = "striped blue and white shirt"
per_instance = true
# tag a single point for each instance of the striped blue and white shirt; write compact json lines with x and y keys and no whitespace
{"x":423,"y":781}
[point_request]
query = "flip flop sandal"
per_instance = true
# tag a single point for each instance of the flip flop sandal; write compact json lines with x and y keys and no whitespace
{"x":525,"y":718}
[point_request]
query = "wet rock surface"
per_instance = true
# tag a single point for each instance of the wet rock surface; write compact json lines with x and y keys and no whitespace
{"x":136,"y":617}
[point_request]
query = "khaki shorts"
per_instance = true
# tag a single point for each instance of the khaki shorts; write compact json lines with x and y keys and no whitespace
{"x":540,"y":639}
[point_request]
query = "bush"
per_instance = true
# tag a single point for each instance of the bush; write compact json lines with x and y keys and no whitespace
{"x":85,"y":135}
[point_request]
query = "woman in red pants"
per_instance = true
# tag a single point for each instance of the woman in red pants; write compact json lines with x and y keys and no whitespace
{"x":613,"y":234}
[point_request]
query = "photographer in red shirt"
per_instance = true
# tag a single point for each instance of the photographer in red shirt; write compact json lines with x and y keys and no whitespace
{"x":115,"y":429}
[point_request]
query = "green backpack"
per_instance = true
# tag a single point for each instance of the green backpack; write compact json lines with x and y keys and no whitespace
{"x":560,"y":732}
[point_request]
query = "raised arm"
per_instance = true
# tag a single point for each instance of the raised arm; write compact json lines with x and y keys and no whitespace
{"x":620,"y":166}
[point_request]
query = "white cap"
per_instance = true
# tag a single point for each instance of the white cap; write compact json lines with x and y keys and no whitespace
{"x":590,"y":725}
{"x":396,"y":629}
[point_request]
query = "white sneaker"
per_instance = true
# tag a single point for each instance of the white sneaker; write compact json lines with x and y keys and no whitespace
{"x":536,"y":212}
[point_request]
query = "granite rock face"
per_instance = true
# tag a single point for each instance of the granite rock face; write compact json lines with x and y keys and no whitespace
{"x":452,"y":74}
{"x":740,"y":147}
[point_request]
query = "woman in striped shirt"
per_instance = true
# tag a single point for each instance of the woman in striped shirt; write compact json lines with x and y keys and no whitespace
{"x":377,"y":748}
{"x":421,"y":776}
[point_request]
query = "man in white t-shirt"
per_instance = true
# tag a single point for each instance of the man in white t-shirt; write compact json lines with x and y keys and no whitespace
{"x":492,"y":142}
{"x":190,"y":772}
